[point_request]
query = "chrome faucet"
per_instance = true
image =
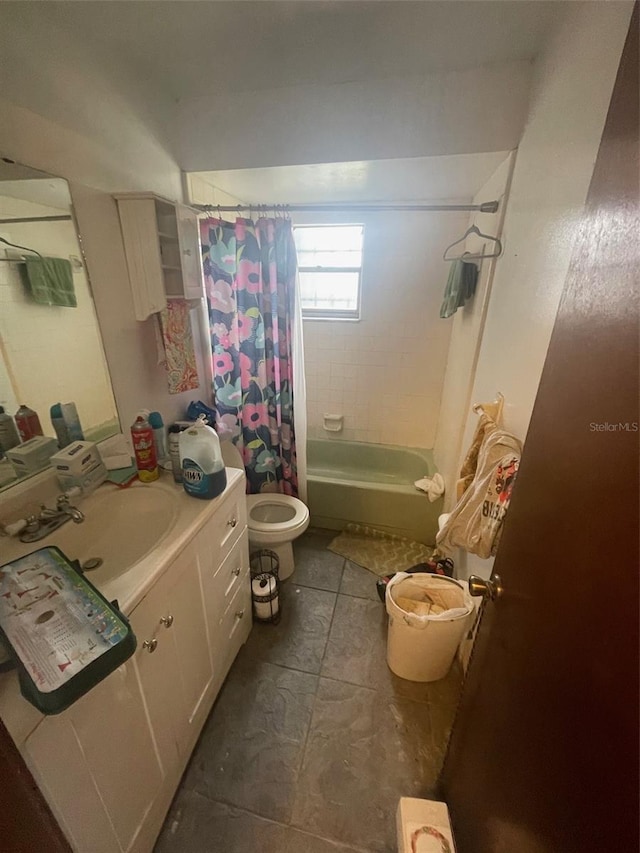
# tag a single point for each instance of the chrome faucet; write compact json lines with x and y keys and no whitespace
{"x":64,"y":510}
{"x":36,"y":527}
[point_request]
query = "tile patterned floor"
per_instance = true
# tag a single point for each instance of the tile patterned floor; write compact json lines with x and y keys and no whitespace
{"x":312,"y":739}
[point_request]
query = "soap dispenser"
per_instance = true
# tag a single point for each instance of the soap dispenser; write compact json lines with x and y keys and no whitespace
{"x":203,"y":472}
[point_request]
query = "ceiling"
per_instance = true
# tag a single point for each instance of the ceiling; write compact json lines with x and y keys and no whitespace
{"x":411,"y":179}
{"x":188,"y":49}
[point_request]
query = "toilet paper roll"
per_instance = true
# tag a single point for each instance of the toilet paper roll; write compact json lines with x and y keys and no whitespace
{"x":260,"y":588}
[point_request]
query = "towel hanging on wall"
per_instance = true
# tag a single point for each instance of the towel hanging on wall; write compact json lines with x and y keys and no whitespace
{"x":50,"y":281}
{"x":182,"y":368}
{"x":461,"y":285}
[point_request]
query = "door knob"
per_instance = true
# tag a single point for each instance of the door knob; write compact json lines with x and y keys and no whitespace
{"x":490,"y":589}
{"x":167,"y":621}
{"x":150,"y":645}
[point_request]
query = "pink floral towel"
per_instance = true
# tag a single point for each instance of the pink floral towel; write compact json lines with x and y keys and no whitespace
{"x":182,"y":372}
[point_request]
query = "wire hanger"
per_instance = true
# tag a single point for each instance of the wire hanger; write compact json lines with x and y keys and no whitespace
{"x":466,"y":256}
{"x":16,"y":246}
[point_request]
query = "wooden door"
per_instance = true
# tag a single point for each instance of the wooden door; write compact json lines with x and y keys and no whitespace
{"x":26,"y":822}
{"x":544,"y":752}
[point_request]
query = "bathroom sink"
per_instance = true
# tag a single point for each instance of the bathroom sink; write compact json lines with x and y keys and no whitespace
{"x":120,"y":528}
{"x":128,"y":536}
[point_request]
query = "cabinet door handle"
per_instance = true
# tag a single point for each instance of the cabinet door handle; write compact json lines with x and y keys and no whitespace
{"x":239,"y":614}
{"x":236,"y":572}
{"x":150,"y":645}
{"x":167,"y":621}
{"x":232,"y":522}
{"x":187,"y":252}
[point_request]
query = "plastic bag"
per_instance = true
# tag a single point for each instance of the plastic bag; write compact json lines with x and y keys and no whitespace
{"x":197,"y":408}
{"x":423,"y":598}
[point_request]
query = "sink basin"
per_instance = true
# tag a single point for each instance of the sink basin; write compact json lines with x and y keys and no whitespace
{"x":120,"y":528}
{"x":128,"y":536}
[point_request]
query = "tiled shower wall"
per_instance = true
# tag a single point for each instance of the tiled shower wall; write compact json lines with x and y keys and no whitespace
{"x":384,"y":373}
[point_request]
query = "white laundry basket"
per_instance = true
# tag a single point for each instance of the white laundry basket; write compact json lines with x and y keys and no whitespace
{"x":421,"y":645}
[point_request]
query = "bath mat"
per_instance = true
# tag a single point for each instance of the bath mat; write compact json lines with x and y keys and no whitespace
{"x":377,"y":551}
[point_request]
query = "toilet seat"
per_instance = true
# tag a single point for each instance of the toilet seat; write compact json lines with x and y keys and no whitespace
{"x":300,"y":514}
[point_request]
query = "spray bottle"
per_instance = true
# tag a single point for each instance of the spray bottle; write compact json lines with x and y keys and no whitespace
{"x":144,"y":449}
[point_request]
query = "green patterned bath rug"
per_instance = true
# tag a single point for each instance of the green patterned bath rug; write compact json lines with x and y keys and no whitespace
{"x":377,"y":551}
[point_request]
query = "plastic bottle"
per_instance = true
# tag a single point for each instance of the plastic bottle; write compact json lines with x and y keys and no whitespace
{"x":66,"y":423}
{"x":59,"y":425}
{"x":157,"y":425}
{"x":72,"y":420}
{"x":8,"y":433}
{"x":174,"y":449}
{"x":203,"y":472}
{"x":28,"y":423}
{"x":144,"y":450}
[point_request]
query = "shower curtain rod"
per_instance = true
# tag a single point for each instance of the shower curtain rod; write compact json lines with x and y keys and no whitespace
{"x":485,"y":207}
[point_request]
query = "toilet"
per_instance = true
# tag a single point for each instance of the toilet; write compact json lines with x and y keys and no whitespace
{"x":274,"y":520}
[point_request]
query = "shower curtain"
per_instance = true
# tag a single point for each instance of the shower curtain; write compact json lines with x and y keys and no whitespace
{"x":250,"y":276}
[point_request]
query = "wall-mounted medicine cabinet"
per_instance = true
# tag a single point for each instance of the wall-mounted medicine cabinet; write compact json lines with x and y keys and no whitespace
{"x":162,"y":246}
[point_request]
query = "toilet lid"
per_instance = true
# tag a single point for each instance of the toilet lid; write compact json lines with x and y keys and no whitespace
{"x":275,"y":513}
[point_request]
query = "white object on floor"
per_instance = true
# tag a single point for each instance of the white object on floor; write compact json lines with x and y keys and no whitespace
{"x":422,"y":647}
{"x":274,"y":520}
{"x":432,"y":486}
{"x":413,"y":817}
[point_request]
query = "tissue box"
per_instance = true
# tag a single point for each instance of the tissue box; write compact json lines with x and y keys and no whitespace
{"x":79,"y":464}
{"x":33,"y":455}
{"x":115,"y":452}
{"x":423,"y":825}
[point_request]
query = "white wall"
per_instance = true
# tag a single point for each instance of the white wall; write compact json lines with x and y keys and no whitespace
{"x":570,"y":97}
{"x":467,"y":326}
{"x":385,"y":372}
{"x":458,"y":112}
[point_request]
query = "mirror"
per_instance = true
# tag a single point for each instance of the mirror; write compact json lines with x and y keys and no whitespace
{"x":50,"y":346}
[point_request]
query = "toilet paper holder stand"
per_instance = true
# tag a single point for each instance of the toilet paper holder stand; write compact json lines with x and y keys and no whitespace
{"x":264,"y":568}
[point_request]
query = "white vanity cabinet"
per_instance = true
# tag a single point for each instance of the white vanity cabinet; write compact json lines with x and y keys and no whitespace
{"x":98,"y":766}
{"x":162,"y":246}
{"x":109,"y":765}
{"x":172,"y":658}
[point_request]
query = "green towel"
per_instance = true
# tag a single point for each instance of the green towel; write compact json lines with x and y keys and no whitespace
{"x":461,"y":285}
{"x":51,"y":281}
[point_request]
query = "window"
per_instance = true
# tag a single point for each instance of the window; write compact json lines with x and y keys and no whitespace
{"x":330,"y":267}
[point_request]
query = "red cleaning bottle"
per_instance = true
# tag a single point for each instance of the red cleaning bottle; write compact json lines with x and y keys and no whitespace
{"x":28,"y":423}
{"x":144,"y":449}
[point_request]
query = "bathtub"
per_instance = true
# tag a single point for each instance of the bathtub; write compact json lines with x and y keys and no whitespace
{"x":371,"y":484}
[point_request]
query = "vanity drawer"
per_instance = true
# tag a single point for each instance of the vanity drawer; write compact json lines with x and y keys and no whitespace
{"x":222,"y":531}
{"x":233,"y":629}
{"x":226,"y":580}
{"x":221,"y":583}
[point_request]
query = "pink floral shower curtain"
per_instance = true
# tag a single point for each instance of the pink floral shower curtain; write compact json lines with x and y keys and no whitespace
{"x":250,"y":274}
